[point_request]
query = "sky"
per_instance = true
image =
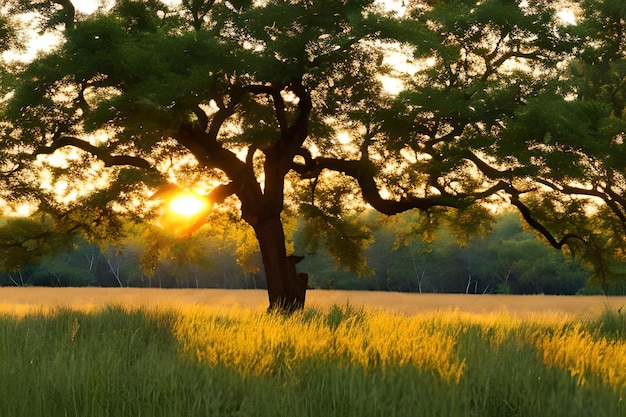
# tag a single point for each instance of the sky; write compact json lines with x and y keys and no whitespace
{"x":85,"y":6}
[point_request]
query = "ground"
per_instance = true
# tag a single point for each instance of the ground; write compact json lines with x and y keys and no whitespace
{"x":407,"y":303}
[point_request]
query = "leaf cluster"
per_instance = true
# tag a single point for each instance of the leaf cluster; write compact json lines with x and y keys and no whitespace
{"x":27,"y":240}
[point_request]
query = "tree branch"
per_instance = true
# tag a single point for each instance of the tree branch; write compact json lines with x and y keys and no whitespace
{"x":38,"y":238}
{"x":279,"y":103}
{"x":364,"y":173}
{"x":310,"y":168}
{"x":221,"y":192}
{"x":532,"y":222}
{"x":300,"y":130}
{"x":203,"y":119}
{"x":69,"y":12}
{"x":610,"y":198}
{"x":102,"y":154}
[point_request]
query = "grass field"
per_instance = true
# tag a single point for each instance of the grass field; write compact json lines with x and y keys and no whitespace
{"x":179,"y":356}
{"x":405,"y":303}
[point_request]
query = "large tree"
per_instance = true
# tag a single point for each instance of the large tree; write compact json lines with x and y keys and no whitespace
{"x":223,"y":89}
{"x":281,"y":104}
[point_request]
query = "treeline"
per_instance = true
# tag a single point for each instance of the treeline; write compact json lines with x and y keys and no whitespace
{"x":92,"y":265}
{"x":509,"y":259}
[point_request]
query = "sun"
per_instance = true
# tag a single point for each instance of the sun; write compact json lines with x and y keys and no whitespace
{"x":187,"y":204}
{"x":567,"y":16}
{"x":182,"y":211}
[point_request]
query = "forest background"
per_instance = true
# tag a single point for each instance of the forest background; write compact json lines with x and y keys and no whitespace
{"x":508,"y":260}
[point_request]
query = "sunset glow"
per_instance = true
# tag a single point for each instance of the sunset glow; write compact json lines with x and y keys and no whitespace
{"x":187,"y":204}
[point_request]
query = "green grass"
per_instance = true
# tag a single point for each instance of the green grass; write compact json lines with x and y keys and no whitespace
{"x":197,"y":362}
{"x":610,"y":324}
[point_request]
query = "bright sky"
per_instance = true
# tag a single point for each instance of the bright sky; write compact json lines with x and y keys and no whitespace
{"x":85,"y":6}
{"x":567,"y":16}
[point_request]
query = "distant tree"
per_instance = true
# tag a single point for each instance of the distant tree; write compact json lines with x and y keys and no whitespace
{"x":512,"y":260}
{"x":508,"y":259}
{"x":58,"y":272}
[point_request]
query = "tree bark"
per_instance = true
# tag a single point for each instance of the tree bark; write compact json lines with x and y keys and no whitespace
{"x":285,"y":287}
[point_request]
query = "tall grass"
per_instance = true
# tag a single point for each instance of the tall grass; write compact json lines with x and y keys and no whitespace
{"x":199,"y":361}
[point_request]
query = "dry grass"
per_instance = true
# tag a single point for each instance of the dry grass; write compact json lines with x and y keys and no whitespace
{"x":16,"y":298}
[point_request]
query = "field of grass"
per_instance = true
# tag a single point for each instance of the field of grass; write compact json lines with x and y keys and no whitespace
{"x":405,"y":303}
{"x":342,"y":360}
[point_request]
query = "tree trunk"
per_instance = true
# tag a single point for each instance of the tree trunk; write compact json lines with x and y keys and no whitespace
{"x":286,"y":288}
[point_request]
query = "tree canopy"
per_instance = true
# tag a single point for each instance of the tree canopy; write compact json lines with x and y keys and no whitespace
{"x":280,"y":108}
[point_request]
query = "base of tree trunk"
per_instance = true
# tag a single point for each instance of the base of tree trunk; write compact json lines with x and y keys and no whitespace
{"x":294,"y":301}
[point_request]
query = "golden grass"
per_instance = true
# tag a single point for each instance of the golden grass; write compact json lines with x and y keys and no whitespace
{"x":234,"y":330}
{"x":405,"y":303}
{"x":260,"y":343}
{"x":565,"y":342}
{"x":584,"y":355}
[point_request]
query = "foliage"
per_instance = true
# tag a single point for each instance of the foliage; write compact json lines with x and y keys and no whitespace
{"x":25,"y":239}
{"x":345,"y":237}
{"x":199,"y":361}
{"x":224,"y":254}
{"x":507,"y":260}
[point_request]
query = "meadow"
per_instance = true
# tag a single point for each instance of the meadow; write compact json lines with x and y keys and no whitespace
{"x":193,"y":359}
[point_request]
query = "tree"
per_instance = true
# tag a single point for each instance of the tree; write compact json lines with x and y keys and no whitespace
{"x":582,"y":179}
{"x":166,"y":84}
{"x":509,"y":259}
{"x":277,"y":105}
{"x":513,"y":260}
{"x":520,"y":107}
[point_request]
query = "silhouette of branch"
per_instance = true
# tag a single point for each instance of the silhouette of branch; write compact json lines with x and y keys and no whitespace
{"x":102,"y":154}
